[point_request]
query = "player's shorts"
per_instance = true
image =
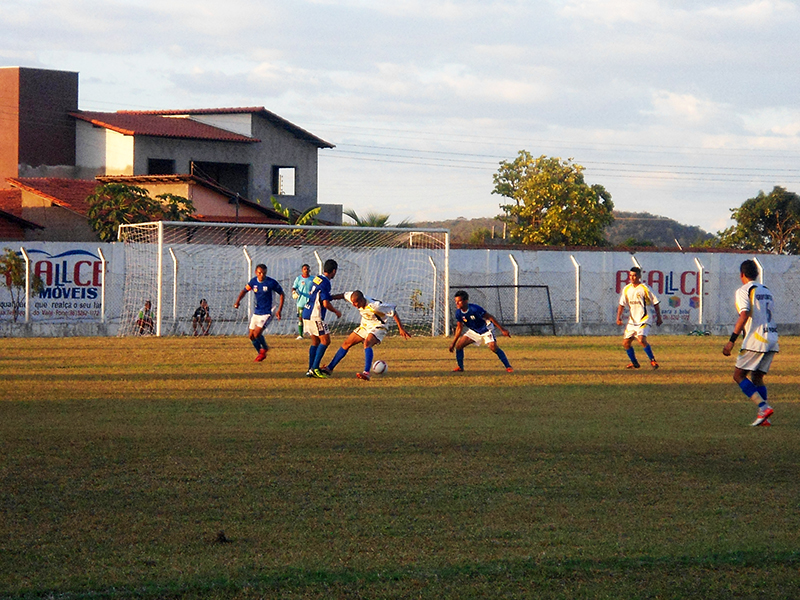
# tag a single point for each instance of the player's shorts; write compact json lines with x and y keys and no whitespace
{"x":754,"y":361}
{"x":315,"y":328}
{"x":636,"y":330}
{"x":379,"y":331}
{"x":480,"y":338}
{"x":260,"y":321}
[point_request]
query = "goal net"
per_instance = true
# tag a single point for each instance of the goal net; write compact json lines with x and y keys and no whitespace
{"x":176,"y":264}
{"x":527,"y":306}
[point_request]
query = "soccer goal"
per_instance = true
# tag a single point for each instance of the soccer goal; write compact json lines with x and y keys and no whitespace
{"x":176,"y":264}
{"x":527,"y":306}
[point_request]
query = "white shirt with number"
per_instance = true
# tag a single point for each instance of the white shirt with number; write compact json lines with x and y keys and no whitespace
{"x":375,"y":313}
{"x":637,"y":298}
{"x":761,"y":332}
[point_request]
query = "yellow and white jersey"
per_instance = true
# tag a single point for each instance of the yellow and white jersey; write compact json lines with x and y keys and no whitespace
{"x":637,"y":298}
{"x":375,"y":313}
{"x":761,"y":332}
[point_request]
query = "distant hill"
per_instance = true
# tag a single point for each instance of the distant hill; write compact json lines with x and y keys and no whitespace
{"x":645,"y":228}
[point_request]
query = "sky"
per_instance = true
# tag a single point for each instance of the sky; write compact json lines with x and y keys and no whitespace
{"x":683,"y":109}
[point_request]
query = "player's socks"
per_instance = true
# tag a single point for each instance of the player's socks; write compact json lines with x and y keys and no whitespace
{"x":340,"y":354}
{"x":749,"y":389}
{"x":312,"y":353}
{"x":368,"y":354}
{"x":256,"y":344}
{"x":649,"y":351}
{"x":502,"y":356}
{"x":262,"y":342}
{"x":632,"y":355}
{"x":762,"y":391}
{"x":318,"y":357}
{"x":460,"y":358}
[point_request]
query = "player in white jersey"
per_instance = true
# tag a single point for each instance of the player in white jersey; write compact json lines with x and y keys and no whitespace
{"x":371,"y":331}
{"x":636,"y":297}
{"x":756,"y":308}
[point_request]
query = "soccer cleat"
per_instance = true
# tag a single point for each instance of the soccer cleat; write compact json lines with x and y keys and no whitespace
{"x":654,"y":364}
{"x":326,"y":370}
{"x":633,"y":365}
{"x":363,"y":375}
{"x":299,"y":337}
{"x":510,"y":369}
{"x":320,"y":374}
{"x":762,"y":416}
{"x":310,"y":373}
{"x":766,"y":424}
{"x":262,"y":354}
{"x":458,"y":370}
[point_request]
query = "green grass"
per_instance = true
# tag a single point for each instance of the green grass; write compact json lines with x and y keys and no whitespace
{"x":121,"y":461}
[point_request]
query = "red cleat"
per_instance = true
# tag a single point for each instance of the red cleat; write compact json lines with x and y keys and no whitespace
{"x":262,"y":354}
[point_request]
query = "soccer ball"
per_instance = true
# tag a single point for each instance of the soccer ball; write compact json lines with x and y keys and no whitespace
{"x":379,"y":367}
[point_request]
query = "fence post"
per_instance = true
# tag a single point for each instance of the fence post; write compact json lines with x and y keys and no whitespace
{"x":174,"y":288}
{"x":701,"y":276}
{"x":27,"y":285}
{"x":160,"y":279}
{"x":435,"y":285}
{"x":577,"y":289}
{"x":516,"y":287}
{"x":104,"y":262}
{"x":249,"y":260}
{"x":760,"y":270}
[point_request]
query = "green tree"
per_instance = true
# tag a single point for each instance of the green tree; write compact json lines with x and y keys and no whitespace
{"x":766,"y":223}
{"x":552,"y":204}
{"x":12,"y":269}
{"x":295,"y":217}
{"x":372,"y":219}
{"x":115,"y":204}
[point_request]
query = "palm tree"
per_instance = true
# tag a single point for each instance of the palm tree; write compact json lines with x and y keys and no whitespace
{"x":307,"y":217}
{"x":372,"y":219}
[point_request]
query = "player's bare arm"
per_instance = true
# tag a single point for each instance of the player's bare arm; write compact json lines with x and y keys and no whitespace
{"x":497,"y":324}
{"x":620,"y":308}
{"x":239,"y":299}
{"x":658,"y":314}
{"x":737,"y":330}
{"x":403,"y":333}
{"x":330,"y":307}
{"x":280,"y":306}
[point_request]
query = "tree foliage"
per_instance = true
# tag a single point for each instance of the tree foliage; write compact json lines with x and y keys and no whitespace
{"x":372,"y":219}
{"x":552,"y":204}
{"x":12,"y":271}
{"x":115,"y":204}
{"x":294,"y":217}
{"x":766,"y":223}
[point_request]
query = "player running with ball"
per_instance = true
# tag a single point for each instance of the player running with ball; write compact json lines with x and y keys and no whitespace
{"x":371,"y":331}
{"x":479,"y":326}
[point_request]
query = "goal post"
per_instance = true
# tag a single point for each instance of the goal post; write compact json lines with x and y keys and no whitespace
{"x":176,"y":264}
{"x":526,"y":306}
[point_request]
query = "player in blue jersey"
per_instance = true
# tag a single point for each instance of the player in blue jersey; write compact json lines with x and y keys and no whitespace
{"x":319,"y":303}
{"x":262,"y":287}
{"x":755,"y":306}
{"x":300,"y":292}
{"x":479,"y":326}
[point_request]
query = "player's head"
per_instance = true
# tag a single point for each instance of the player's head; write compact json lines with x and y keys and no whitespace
{"x":203,"y":302}
{"x":635,"y":275}
{"x":305,"y":270}
{"x":330,"y":267}
{"x":749,"y":269}
{"x":147,"y":304}
{"x":261,"y":271}
{"x":357,"y":299}
{"x":462,"y":298}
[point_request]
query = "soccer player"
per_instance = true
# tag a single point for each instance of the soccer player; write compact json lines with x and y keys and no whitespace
{"x":201,"y":319}
{"x":263,"y":288}
{"x":756,"y":307}
{"x":319,"y":302}
{"x":479,"y":326}
{"x":636,"y":297}
{"x":371,"y":331}
{"x":300,"y":289}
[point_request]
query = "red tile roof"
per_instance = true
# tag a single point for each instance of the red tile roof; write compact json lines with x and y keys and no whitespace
{"x":67,"y":193}
{"x":156,"y":125}
{"x":276,"y":120}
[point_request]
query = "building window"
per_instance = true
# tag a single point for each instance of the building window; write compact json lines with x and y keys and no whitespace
{"x":283,"y":181}
{"x":160,"y":166}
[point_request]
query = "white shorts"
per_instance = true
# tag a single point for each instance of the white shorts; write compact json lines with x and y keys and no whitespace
{"x":754,"y":361}
{"x":260,"y":321}
{"x":633,"y":330}
{"x":478,"y":338}
{"x":379,"y":331}
{"x":315,"y":328}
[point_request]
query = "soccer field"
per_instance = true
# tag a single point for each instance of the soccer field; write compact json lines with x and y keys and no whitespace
{"x":180,"y":468}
